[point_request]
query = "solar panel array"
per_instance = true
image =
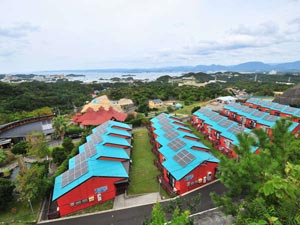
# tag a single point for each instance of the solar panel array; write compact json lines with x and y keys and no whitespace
{"x":258,"y":113}
{"x":74,"y":173}
{"x":89,"y":150}
{"x":217,"y":118}
{"x":248,"y":110}
{"x":160,"y":116}
{"x":225,"y":123}
{"x":171,"y":134}
{"x":270,"y":118}
{"x":101,"y":130}
{"x":176,"y":144}
{"x":278,"y":106}
{"x":267,"y":103}
{"x":167,"y":127}
{"x":236,"y":129}
{"x":208,"y":113}
{"x":290,"y":109}
{"x":184,"y":157}
{"x":237,"y":106}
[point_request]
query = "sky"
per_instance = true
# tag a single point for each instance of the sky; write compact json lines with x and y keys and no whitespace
{"x":37,"y":35}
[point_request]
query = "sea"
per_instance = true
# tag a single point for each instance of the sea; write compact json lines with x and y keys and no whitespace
{"x":103,"y":77}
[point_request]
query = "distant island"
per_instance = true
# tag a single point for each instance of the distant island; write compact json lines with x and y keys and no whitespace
{"x":128,"y":75}
{"x":243,"y":67}
{"x":75,"y":75}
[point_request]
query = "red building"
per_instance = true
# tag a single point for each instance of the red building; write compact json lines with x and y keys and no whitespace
{"x":95,"y":118}
{"x":222,"y":132}
{"x":99,"y":172}
{"x":184,"y":161}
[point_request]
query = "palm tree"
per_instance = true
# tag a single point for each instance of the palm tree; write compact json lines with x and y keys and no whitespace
{"x":59,"y":125}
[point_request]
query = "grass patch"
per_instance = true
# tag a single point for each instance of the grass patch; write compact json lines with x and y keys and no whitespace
{"x":143,"y":172}
{"x":95,"y":208}
{"x":188,"y":108}
{"x":20,"y":213}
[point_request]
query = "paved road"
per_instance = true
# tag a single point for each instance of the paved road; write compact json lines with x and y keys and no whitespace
{"x":136,"y":215}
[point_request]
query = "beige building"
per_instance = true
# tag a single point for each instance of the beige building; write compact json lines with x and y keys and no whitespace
{"x":155,"y":103}
{"x":103,"y":101}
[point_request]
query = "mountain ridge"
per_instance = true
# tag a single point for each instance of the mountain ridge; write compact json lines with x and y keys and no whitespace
{"x":252,"y":66}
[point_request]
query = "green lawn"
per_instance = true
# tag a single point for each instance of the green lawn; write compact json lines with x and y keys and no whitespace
{"x":20,"y":213}
{"x":187,"y":109}
{"x":143,"y":172}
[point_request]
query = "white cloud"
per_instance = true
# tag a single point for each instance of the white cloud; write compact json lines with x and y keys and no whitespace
{"x":52,"y":34}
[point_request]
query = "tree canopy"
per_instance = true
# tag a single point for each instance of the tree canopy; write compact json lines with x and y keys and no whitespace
{"x":263,"y":188}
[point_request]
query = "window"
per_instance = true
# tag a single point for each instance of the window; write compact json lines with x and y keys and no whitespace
{"x":72,"y":204}
{"x":85,"y":200}
{"x":78,"y":202}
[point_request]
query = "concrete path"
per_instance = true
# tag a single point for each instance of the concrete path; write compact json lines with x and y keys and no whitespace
{"x":122,"y":201}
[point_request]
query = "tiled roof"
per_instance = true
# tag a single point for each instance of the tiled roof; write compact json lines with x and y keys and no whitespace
{"x":93,"y":118}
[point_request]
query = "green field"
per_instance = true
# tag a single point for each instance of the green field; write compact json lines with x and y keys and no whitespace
{"x":186,"y":110}
{"x":20,"y":213}
{"x":143,"y":172}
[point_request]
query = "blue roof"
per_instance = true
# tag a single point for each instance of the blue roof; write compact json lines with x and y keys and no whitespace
{"x":98,"y":168}
{"x":96,"y":149}
{"x":111,"y":152}
{"x":276,"y":106}
{"x":111,"y":130}
{"x":235,"y":107}
{"x":225,"y":131}
{"x":177,"y":170}
{"x":119,"y":124}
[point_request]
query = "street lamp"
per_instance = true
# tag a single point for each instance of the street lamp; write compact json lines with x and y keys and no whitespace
{"x":30,"y":205}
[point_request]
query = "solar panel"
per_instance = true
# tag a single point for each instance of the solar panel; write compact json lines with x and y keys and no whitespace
{"x":290,"y":109}
{"x":100,"y":130}
{"x":163,"y":123}
{"x":160,"y":116}
{"x":248,"y":110}
{"x":267,"y":103}
{"x":176,"y":144}
{"x":171,"y":134}
{"x":184,"y":157}
{"x":225,"y":123}
{"x":277,"y":106}
{"x":208,"y":113}
{"x":167,"y":127}
{"x":74,"y":173}
{"x":236,"y":129}
{"x":216,"y":118}
{"x":235,"y":105}
{"x":258,"y":113}
{"x":297,"y":113}
{"x":270,"y":118}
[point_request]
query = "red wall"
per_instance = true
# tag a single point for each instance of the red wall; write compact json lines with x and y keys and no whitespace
{"x":114,"y":145}
{"x":199,"y":172}
{"x":84,"y":191}
{"x":112,"y":159}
